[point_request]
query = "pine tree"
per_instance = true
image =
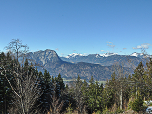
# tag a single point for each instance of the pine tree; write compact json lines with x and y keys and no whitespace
{"x":100,"y":98}
{"x":84,"y":90}
{"x":148,"y":79}
{"x":109,"y":92}
{"x":138,"y":78}
{"x":5,"y":89}
{"x":59,"y":85}
{"x":46,"y":87}
{"x":92,"y":95}
{"x":77,"y":94}
{"x":95,"y":101}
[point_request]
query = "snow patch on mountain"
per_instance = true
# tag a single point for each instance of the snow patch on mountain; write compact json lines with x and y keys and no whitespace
{"x":141,"y":55}
{"x":108,"y":54}
{"x":97,"y":56}
{"x":74,"y":55}
{"x":136,"y":54}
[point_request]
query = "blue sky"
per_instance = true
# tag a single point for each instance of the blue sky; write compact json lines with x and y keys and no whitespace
{"x":78,"y":26}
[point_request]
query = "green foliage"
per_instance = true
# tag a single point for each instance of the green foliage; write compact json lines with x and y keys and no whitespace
{"x":139,"y":79}
{"x":95,"y":96}
{"x":60,"y":86}
{"x":144,"y":104}
{"x":119,"y":111}
{"x":130,"y":105}
{"x":106,"y":111}
{"x":5,"y":89}
{"x":98,"y":112}
{"x":60,"y":81}
{"x":69,"y":109}
{"x":137,"y":104}
{"x":150,"y":104}
{"x":109,"y":92}
{"x":46,"y":87}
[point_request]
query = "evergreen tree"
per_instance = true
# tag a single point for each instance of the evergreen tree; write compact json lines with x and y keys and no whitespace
{"x":46,"y":86}
{"x":108,"y":97}
{"x":84,"y":90}
{"x":92,"y":95}
{"x":148,"y":79}
{"x":95,"y":101}
{"x":138,"y":78}
{"x":110,"y":93}
{"x":100,"y":98}
{"x":59,"y":85}
{"x":5,"y":89}
{"x":77,"y":94}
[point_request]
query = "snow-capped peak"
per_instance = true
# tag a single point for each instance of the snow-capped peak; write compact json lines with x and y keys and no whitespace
{"x":141,"y":55}
{"x":136,"y":54}
{"x":97,"y":55}
{"x":74,"y":55}
{"x":108,"y":54}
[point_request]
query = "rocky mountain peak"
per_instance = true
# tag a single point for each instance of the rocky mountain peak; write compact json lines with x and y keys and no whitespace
{"x":140,"y":55}
{"x":45,"y":56}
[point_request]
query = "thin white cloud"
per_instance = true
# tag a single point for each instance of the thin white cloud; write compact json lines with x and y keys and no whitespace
{"x":142,"y":46}
{"x":110,"y":44}
{"x":102,"y":50}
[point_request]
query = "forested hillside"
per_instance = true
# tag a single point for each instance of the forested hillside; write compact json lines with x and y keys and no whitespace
{"x":25,"y":90}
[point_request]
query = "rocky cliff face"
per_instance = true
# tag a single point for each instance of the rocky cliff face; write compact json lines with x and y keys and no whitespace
{"x":44,"y":56}
{"x":47,"y":58}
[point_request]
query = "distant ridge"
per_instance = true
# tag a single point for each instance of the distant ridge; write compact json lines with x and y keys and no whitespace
{"x":107,"y":59}
{"x":96,"y":65}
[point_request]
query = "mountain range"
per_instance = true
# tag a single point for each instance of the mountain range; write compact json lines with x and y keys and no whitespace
{"x":107,"y":59}
{"x":99,"y":66}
